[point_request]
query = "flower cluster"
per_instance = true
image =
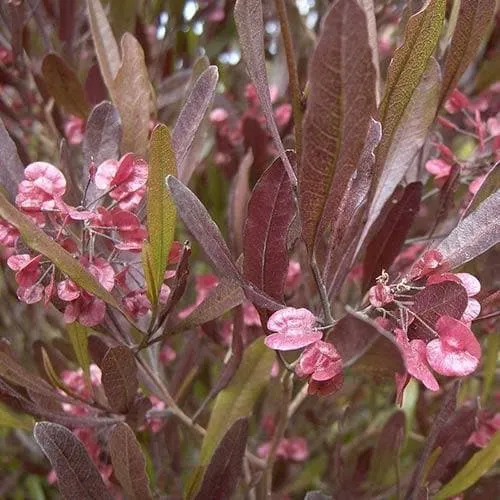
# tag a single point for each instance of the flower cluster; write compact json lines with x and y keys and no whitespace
{"x":102,"y":233}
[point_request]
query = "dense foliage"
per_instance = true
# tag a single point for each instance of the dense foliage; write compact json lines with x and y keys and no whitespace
{"x":249,"y":249}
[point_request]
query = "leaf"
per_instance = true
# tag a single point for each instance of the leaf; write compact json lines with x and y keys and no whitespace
{"x":239,"y":397}
{"x":128,"y":462}
{"x":389,"y":239}
{"x":131,"y":93}
{"x":192,"y":114}
{"x":222,"y":474}
{"x":161,"y":213}
{"x":441,"y":299}
{"x":105,"y":44}
{"x":226,"y":295}
{"x":63,"y":85}
{"x":78,"y":336}
{"x":317,"y":495}
{"x":365,"y":345}
{"x":338,"y":116}
{"x":11,"y":167}
{"x":12,"y":420}
{"x":102,"y":137}
{"x":40,"y":242}
{"x":270,"y":212}
{"x":473,"y":470}
{"x":474,"y":19}
{"x":119,"y":378}
{"x":397,"y":153}
{"x":250,"y":26}
{"x":123,"y":16}
{"x":488,"y":187}
{"x":473,"y":235}
{"x":77,"y":475}
{"x":369,"y":8}
{"x":385,"y":455}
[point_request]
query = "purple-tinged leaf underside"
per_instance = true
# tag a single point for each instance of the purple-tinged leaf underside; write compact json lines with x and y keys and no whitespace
{"x":249,"y":21}
{"x":338,"y":116}
{"x":389,"y":239}
{"x":191,"y":116}
{"x":270,"y":212}
{"x":77,"y":475}
{"x":11,"y":167}
{"x":489,"y":186}
{"x":474,"y":235}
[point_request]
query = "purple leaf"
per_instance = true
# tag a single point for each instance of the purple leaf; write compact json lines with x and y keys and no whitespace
{"x":11,"y":168}
{"x":361,"y":342}
{"x":77,"y":475}
{"x":222,"y":474}
{"x":270,"y":212}
{"x":473,"y":235}
{"x":250,"y":26}
{"x":389,"y":239}
{"x":129,"y":465}
{"x":119,"y":378}
{"x":191,"y":116}
{"x":339,"y":109}
{"x":441,"y":299}
{"x":95,"y":88}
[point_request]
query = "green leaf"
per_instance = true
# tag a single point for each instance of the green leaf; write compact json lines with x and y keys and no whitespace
{"x":476,"y":467}
{"x":105,"y":44}
{"x":78,"y":336}
{"x":131,"y":93}
{"x":38,"y":241}
{"x":239,"y":397}
{"x":490,"y":365}
{"x":64,"y":86}
{"x":13,"y":420}
{"x":123,"y":14}
{"x":474,"y":19}
{"x":406,"y":70}
{"x":161,"y":212}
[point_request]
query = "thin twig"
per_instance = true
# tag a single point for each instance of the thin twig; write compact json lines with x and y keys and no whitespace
{"x":322,"y":292}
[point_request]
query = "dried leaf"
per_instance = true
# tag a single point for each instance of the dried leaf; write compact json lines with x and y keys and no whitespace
{"x":128,"y":462}
{"x":119,"y":378}
{"x":270,"y":212}
{"x":441,"y":299}
{"x":338,"y":116}
{"x":77,"y":475}
{"x":238,"y":398}
{"x":474,"y":19}
{"x":192,"y":114}
{"x":389,"y":239}
{"x":161,"y":213}
{"x":473,"y":235}
{"x":222,"y":474}
{"x":11,"y":168}
{"x":40,"y":242}
{"x":250,"y":25}
{"x":488,"y":187}
{"x":104,"y":43}
{"x":63,"y":85}
{"x":131,"y":93}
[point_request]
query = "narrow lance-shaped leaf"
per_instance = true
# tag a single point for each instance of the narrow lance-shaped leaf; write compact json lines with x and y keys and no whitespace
{"x":473,"y":235}
{"x":238,"y":398}
{"x":161,"y":213}
{"x":473,"y":470}
{"x":474,"y":18}
{"x":222,"y":474}
{"x":78,"y":336}
{"x":250,"y":25}
{"x":131,"y":93}
{"x":339,"y":109}
{"x":128,"y":462}
{"x":270,"y":212}
{"x":397,"y":153}
{"x":192,"y":114}
{"x":369,"y":7}
{"x":77,"y":475}
{"x":488,"y":187}
{"x":105,"y":44}
{"x":123,"y":15}
{"x":64,"y":86}
{"x":11,"y":168}
{"x":119,"y":378}
{"x":40,"y":242}
{"x":387,"y":243}
{"x":12,"y":420}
